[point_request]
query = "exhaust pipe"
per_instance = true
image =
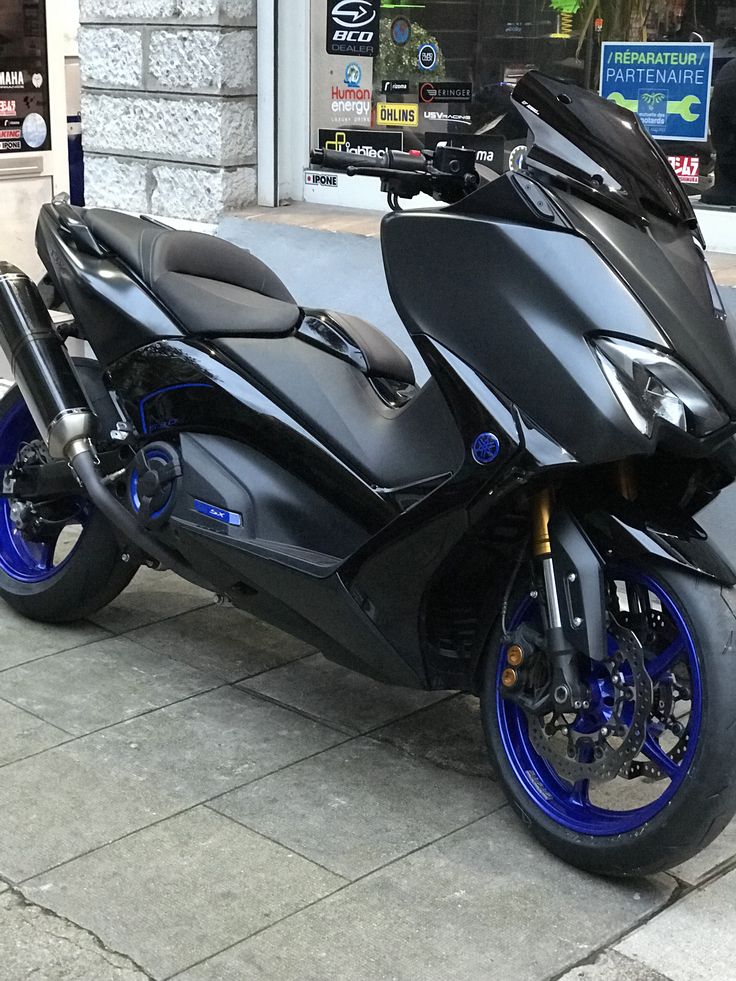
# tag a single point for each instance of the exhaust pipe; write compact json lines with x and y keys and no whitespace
{"x":48,"y":383}
{"x":41,"y":365}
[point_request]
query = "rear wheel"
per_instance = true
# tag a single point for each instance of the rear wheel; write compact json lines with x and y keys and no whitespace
{"x":643,"y":778}
{"x":60,"y":561}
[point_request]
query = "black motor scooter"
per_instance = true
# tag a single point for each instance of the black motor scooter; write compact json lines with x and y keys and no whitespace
{"x":520,"y":527}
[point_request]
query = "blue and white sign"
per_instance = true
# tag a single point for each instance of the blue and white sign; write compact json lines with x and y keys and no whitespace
{"x":427,"y":56}
{"x":666,"y":85}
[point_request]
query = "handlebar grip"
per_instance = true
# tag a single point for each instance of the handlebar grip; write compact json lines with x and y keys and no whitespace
{"x":336,"y":159}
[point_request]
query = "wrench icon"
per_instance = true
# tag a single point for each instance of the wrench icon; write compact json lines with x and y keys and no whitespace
{"x":680,"y":107}
{"x":632,"y":104}
{"x":684,"y":108}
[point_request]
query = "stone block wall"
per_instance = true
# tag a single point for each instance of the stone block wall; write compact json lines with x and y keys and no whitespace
{"x":169,"y":105}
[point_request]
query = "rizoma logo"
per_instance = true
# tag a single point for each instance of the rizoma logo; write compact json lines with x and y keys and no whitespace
{"x":354,"y":14}
{"x":396,"y":114}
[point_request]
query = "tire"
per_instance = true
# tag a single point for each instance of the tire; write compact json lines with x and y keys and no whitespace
{"x":703,"y":795}
{"x":92,"y":574}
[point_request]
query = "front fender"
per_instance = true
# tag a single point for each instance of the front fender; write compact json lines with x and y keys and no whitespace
{"x":585,"y":545}
{"x":629,"y":532}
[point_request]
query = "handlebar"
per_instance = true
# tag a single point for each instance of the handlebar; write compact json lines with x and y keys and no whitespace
{"x":390,"y":160}
{"x":446,"y":173}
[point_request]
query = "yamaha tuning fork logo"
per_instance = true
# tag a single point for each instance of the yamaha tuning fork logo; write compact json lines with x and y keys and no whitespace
{"x":485,"y":448}
{"x":352,"y":27}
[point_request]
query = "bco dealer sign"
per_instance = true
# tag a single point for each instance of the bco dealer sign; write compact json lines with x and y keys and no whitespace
{"x":352,"y":27}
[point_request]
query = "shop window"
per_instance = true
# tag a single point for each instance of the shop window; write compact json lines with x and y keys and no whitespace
{"x":444,"y":70}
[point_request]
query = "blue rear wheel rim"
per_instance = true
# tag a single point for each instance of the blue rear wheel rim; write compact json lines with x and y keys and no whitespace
{"x":22,"y":560}
{"x":569,"y":805}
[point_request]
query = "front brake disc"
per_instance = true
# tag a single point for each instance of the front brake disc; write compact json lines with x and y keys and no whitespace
{"x":603,"y":759}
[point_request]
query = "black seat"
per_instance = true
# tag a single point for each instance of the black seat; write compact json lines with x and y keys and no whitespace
{"x":216,"y":289}
{"x":213,"y":287}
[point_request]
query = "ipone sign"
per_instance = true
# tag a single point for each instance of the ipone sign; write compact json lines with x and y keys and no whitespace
{"x":352,"y":27}
{"x":666,"y":85}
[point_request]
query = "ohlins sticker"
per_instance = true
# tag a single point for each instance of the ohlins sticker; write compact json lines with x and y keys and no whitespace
{"x":396,"y":114}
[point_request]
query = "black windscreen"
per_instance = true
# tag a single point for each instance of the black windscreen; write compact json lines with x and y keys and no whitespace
{"x":597,"y":142}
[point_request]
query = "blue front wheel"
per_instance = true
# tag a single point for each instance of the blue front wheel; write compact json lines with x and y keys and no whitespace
{"x":642,"y":777}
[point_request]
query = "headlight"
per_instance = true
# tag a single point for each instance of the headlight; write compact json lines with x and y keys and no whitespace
{"x":652,"y":385}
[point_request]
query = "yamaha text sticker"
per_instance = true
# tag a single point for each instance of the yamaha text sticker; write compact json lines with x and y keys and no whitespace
{"x":352,"y":27}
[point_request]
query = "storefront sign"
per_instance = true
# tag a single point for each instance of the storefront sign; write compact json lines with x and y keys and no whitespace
{"x":396,"y":114}
{"x":427,"y":56}
{"x":445,"y":92}
{"x":365,"y":141}
{"x":394,"y":86}
{"x":666,"y":85}
{"x":318,"y":178}
{"x":687,"y":169}
{"x":351,"y":102}
{"x":24,"y":96}
{"x":400,"y":31}
{"x":440,"y":116}
{"x":489,"y":150}
{"x":352,"y":27}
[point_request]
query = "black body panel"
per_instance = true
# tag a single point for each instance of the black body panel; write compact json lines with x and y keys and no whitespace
{"x":118,"y":314}
{"x":669,"y":276}
{"x":389,"y":447}
{"x":516,"y":320}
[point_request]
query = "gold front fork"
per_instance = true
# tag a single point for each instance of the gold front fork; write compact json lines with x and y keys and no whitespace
{"x":626,"y":480}
{"x":542,"y":509}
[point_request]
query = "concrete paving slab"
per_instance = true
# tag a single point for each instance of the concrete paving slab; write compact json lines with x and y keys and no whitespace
{"x":91,"y":791}
{"x":150,"y":597}
{"x":694,"y":940}
{"x":327,"y":691}
{"x":24,"y":640}
{"x":60,"y":804}
{"x":484,"y":904}
{"x":612,"y":966}
{"x":222,"y":641}
{"x":449,"y":734}
{"x":700,"y":866}
{"x":358,"y":806}
{"x":206,"y":746}
{"x":183,"y":889}
{"x":98,"y":685}
{"x":23,"y":735}
{"x":37,"y":945}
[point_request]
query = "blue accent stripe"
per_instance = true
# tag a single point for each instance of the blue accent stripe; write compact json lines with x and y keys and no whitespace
{"x":218,"y":514}
{"x":161,"y":391}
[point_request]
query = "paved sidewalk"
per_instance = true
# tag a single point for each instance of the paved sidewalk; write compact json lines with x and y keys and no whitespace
{"x":187,"y":792}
